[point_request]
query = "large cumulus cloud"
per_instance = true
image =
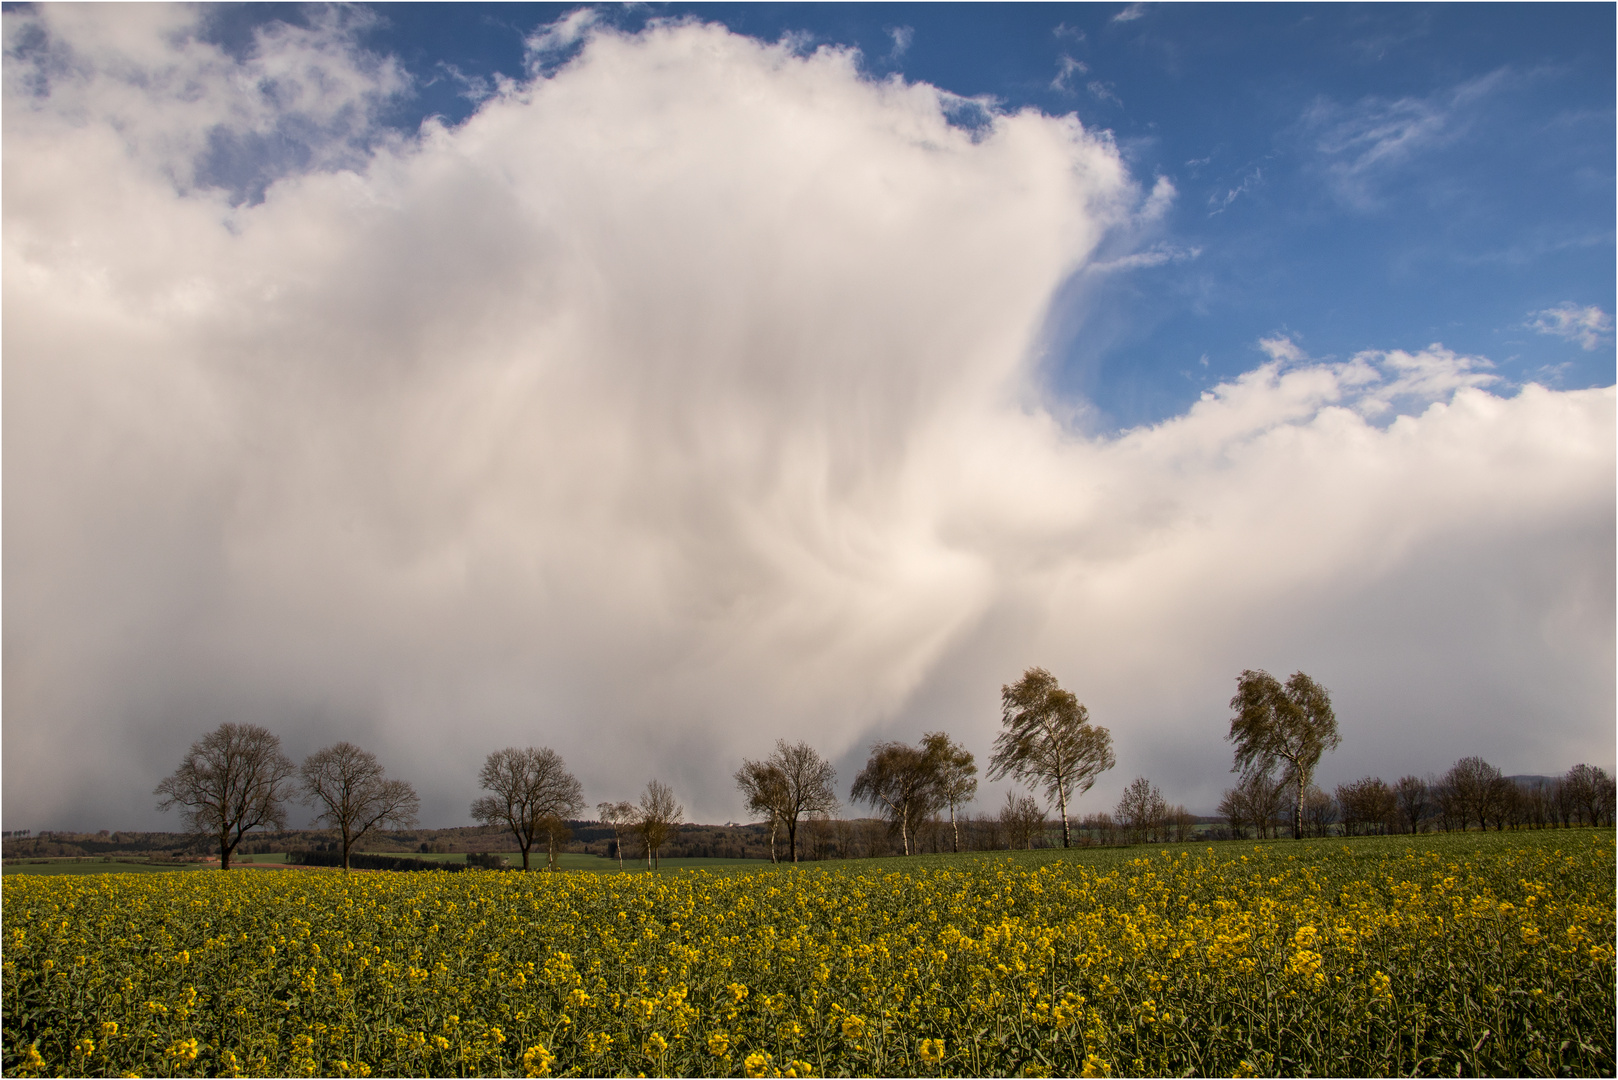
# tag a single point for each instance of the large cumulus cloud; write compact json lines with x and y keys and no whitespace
{"x":686,"y":396}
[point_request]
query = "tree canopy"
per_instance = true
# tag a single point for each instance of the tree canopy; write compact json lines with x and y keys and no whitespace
{"x":232,"y":780}
{"x":1289,"y":726}
{"x":1049,"y":741}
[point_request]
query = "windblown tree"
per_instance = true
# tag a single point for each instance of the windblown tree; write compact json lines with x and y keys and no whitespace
{"x":1289,"y":726}
{"x":616,"y":815}
{"x":765,"y":788}
{"x":957,"y":774}
{"x":1049,"y":741}
{"x":657,"y":816}
{"x":353,"y":793}
{"x":232,"y":780}
{"x":796,"y":782}
{"x":901,"y":782}
{"x":527,"y":785}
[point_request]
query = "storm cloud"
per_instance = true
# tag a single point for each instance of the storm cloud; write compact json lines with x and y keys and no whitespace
{"x":691,"y":394}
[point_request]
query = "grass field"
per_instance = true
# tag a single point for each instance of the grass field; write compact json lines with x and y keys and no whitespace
{"x":91,"y":865}
{"x":1476,"y":954}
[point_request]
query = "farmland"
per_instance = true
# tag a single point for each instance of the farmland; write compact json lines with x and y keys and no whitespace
{"x":1479,"y":953}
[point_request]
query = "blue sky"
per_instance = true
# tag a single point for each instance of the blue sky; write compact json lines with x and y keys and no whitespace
{"x":653,"y":383}
{"x":1353,"y":176}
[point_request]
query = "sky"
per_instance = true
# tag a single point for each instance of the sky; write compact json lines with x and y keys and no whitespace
{"x":655,"y":382}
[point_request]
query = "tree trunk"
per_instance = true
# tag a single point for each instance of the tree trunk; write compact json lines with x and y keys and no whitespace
{"x":347,"y":843}
{"x":792,"y":838}
{"x":1061,"y":799}
{"x":904,"y":833}
{"x":775,"y":824}
{"x":525,"y":858}
{"x":225,"y":848}
{"x":1297,"y":808}
{"x":954,"y":828}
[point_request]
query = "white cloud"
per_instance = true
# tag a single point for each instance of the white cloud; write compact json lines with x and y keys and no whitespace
{"x":1130,"y":13}
{"x":1102,"y":91}
{"x":1218,"y":202}
{"x":1066,"y":68}
{"x":1589,"y":327}
{"x":684,"y":397}
{"x":902,"y":37}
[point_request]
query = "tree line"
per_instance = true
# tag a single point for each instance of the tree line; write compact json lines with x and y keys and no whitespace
{"x":236,"y":779}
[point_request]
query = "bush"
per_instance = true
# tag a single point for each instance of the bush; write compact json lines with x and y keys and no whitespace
{"x":358,"y":861}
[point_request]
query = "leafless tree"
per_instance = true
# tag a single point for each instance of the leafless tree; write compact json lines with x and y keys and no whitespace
{"x":810,"y":782}
{"x":1141,"y":810}
{"x":957,"y":776}
{"x":659,"y":813}
{"x":1179,"y":824}
{"x":528,"y":785}
{"x":1290,"y":726}
{"x":1049,"y":741}
{"x":1319,"y":812}
{"x":1368,"y":806}
{"x":900,"y":781}
{"x":1414,"y":798}
{"x":232,"y":780}
{"x":1100,"y":827}
{"x":1475,"y":785}
{"x":353,"y":793}
{"x":1021,"y":820}
{"x":1588,"y":788}
{"x":1256,"y":801}
{"x":616,"y":815}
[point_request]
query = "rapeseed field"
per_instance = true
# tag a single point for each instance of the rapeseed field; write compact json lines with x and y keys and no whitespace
{"x":1473,"y":954}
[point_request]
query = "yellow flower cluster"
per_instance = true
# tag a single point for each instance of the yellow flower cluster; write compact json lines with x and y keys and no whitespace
{"x":1480,"y":953}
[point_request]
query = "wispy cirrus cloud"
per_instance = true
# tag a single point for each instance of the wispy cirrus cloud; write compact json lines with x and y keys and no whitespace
{"x":1066,"y":69}
{"x":1359,"y":146}
{"x":1586,"y":325}
{"x":1130,"y":13}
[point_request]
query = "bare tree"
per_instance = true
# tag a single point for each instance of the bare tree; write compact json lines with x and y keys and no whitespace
{"x":957,"y":774}
{"x":1473,"y":784}
{"x":1141,"y":810}
{"x":1049,"y":741}
{"x":1021,"y":819}
{"x":232,"y":780}
{"x":616,"y":814}
{"x":528,"y":785}
{"x":900,"y":781}
{"x":804,"y":785}
{"x":1587,"y":788}
{"x":1368,"y":806}
{"x":1319,"y":812}
{"x":1256,"y":801}
{"x":1414,"y":799}
{"x":1289,"y":725}
{"x":355,"y":793}
{"x":659,"y":813}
